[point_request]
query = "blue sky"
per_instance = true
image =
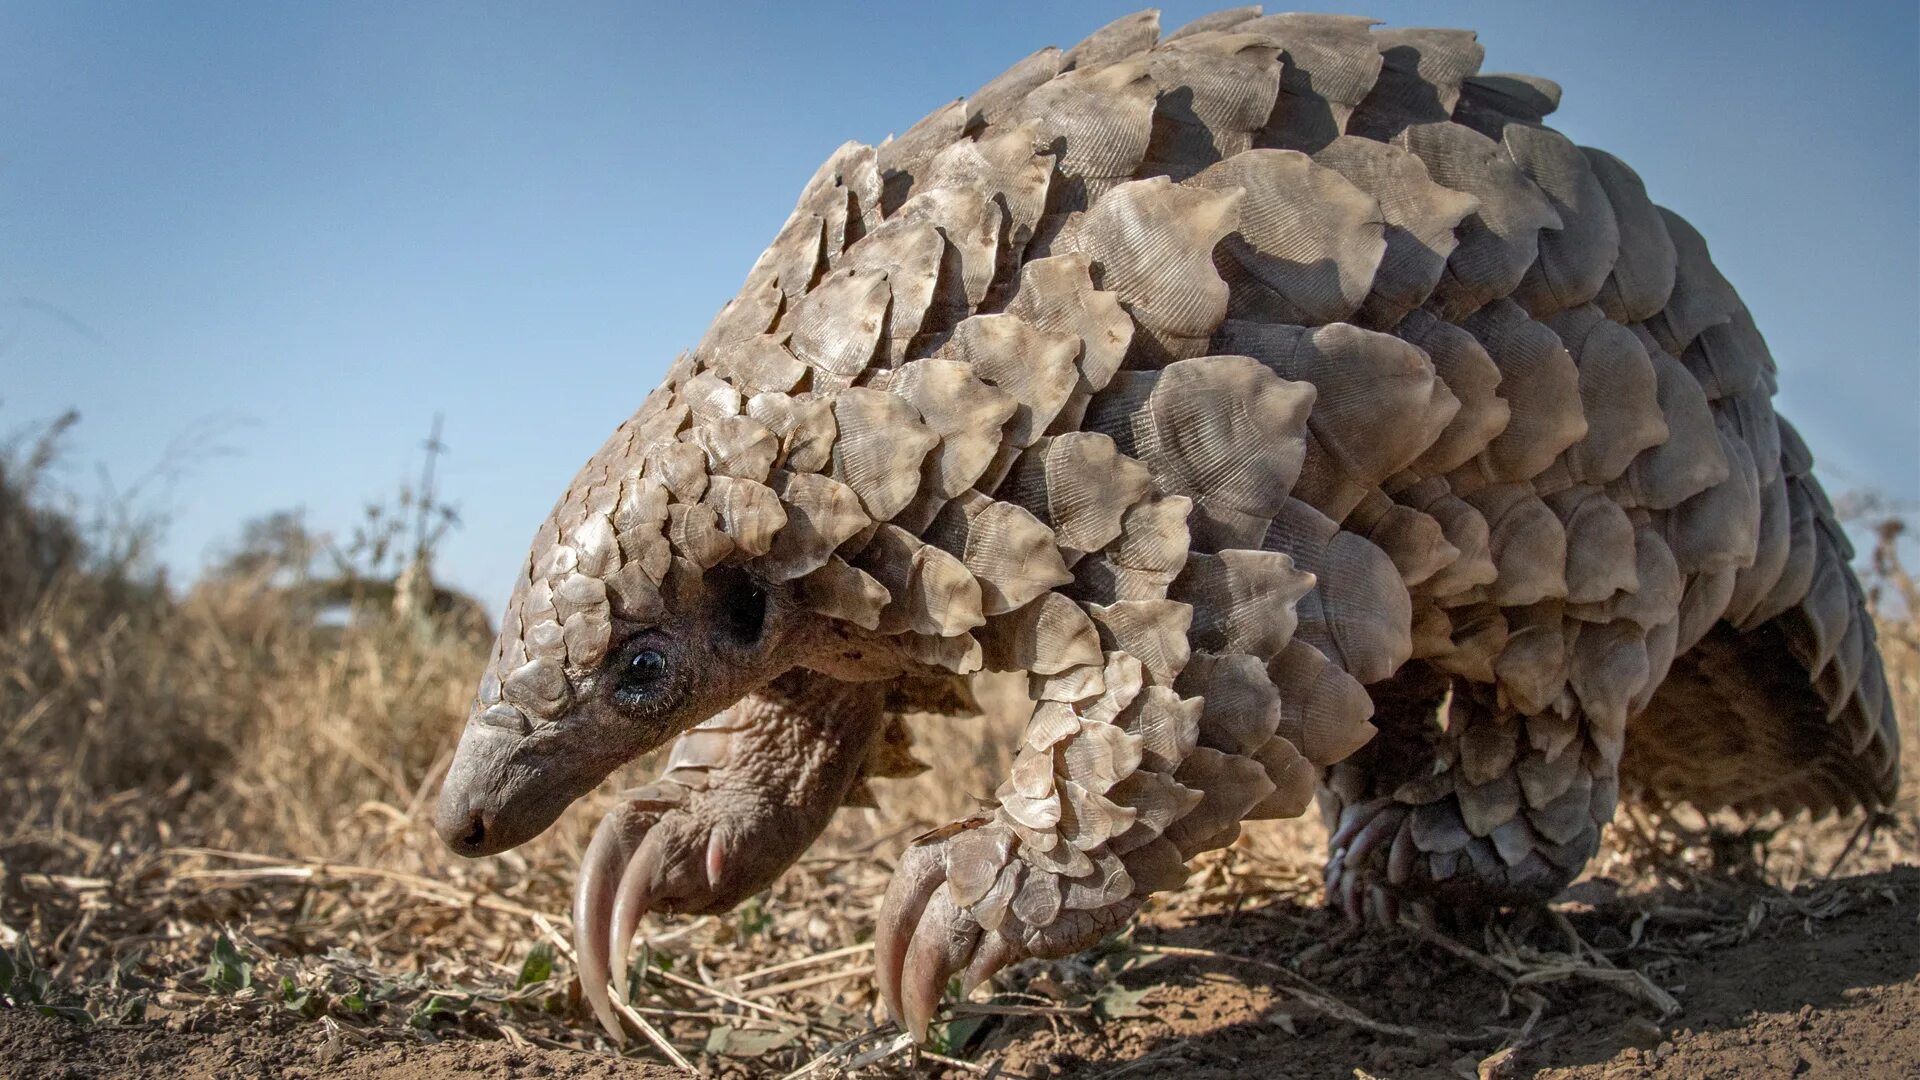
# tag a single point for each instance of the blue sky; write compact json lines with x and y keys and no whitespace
{"x":295,"y":232}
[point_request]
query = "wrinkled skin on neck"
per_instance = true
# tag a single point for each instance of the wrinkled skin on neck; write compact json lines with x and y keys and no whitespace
{"x":717,"y":637}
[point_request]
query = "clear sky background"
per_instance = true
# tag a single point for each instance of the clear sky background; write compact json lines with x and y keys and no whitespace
{"x":295,"y":232}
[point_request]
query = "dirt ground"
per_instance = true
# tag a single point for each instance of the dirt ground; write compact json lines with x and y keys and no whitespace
{"x":1822,"y":982}
{"x":48,"y":1048}
{"x":1828,"y":986}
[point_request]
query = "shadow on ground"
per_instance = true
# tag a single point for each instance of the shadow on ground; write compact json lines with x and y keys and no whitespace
{"x":1820,"y":982}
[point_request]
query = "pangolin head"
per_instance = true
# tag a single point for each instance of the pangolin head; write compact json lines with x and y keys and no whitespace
{"x":652,"y":598}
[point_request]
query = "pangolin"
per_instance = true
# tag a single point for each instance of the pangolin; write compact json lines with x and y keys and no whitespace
{"x":1295,"y":408}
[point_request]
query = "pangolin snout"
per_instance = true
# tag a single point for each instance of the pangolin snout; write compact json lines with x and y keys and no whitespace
{"x":465,"y":830}
{"x":503,"y":789}
{"x":480,"y":819}
{"x":465,"y":818}
{"x":468,"y":815}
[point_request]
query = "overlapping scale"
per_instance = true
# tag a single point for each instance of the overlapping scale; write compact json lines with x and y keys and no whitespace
{"x":1307,"y":243}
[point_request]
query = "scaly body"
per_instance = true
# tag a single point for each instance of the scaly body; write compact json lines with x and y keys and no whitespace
{"x":1295,"y":408}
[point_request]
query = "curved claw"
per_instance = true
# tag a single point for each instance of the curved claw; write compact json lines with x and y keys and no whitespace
{"x":1372,"y":872}
{"x":592,"y":916}
{"x":1364,"y":830}
{"x":668,"y":873}
{"x":743,"y":796}
{"x":925,"y":938}
{"x":921,"y":871}
{"x":632,"y":899}
{"x":995,"y":952}
{"x":942,"y":946}
{"x":621,"y":877}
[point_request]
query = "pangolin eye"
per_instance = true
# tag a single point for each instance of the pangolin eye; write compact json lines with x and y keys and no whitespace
{"x":646,"y":668}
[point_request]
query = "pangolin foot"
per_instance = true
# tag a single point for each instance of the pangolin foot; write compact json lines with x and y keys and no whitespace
{"x":656,"y":853}
{"x":1370,"y":864}
{"x":962,"y":903}
{"x":1390,"y":860}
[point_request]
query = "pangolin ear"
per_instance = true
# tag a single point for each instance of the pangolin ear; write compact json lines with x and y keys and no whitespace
{"x":738,"y":606}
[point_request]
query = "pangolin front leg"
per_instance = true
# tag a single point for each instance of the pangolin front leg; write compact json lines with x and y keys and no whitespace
{"x":743,"y":796}
{"x":1113,"y":790}
{"x":960,"y":904}
{"x":1463,"y":805}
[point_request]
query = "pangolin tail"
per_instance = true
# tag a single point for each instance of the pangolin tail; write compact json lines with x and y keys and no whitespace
{"x":1784,"y":709}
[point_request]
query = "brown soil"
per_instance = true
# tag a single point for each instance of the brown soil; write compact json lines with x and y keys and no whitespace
{"x":34,"y":1047}
{"x":1824,"y":982}
{"x":1827,"y":985}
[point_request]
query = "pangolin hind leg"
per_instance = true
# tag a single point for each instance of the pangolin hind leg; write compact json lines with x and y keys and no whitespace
{"x":743,"y":796}
{"x":1462,"y":805}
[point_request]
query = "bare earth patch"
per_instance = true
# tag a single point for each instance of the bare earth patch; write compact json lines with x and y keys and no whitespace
{"x":1825,"y":985}
{"x":1222,"y":982}
{"x":42,"y":1046}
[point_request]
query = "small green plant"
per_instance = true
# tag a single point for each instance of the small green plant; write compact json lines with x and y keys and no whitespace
{"x":24,"y":984}
{"x":305,"y":1000}
{"x":753,"y":919}
{"x":229,"y":970}
{"x":536,"y":968}
{"x":437,"y":1006}
{"x":952,"y":1037}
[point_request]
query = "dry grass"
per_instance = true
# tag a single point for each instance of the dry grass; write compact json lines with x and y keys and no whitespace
{"x":215,"y":810}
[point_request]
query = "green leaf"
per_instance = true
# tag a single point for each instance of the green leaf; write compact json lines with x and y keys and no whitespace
{"x":70,"y":1013}
{"x":132,"y":1011}
{"x":537,"y":968}
{"x":952,"y":1037}
{"x":302,"y":999}
{"x":1116,"y":1002}
{"x":435,"y":1006}
{"x":229,"y":970}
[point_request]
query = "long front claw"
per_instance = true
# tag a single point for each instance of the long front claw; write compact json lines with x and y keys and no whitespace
{"x":994,"y":953}
{"x":922,"y":870}
{"x":632,"y":899}
{"x":942,"y":946}
{"x":593,"y":903}
{"x":618,"y":883}
{"x":926,"y":936}
{"x":742,"y":796}
{"x":967,"y":901}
